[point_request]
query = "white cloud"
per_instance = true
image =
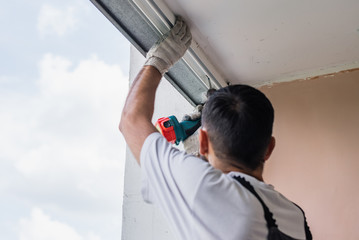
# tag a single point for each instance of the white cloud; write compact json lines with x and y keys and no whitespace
{"x":41,"y":227}
{"x":71,"y":114}
{"x":52,"y":20}
{"x":61,"y":148}
{"x":92,"y":79}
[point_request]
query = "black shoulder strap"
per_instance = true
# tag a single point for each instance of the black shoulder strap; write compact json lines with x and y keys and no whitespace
{"x":267,"y":213}
{"x":308,"y":234}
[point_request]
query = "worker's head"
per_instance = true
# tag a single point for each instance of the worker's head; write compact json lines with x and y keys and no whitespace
{"x":238,"y":121}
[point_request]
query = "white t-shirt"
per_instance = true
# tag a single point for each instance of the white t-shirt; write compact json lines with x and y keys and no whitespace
{"x":201,"y":202}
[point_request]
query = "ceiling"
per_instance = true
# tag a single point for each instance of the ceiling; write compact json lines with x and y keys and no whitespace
{"x":259,"y":42}
{"x":255,"y":42}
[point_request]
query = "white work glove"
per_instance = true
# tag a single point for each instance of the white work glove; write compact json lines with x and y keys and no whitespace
{"x":191,"y":144}
{"x":170,"y":48}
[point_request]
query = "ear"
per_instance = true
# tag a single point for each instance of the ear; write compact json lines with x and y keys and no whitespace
{"x":270,"y":148}
{"x":203,"y":142}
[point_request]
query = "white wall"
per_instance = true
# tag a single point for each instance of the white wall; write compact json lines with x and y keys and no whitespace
{"x":141,"y":220}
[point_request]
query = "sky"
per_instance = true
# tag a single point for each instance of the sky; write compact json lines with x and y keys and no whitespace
{"x":63,"y":81}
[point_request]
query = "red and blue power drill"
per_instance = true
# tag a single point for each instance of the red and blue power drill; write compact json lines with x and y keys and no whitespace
{"x":175,"y":131}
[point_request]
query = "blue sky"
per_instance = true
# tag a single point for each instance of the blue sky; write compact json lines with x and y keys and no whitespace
{"x":63,"y":81}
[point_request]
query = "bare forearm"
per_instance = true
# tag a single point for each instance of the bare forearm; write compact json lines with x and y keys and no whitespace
{"x":141,"y":97}
{"x":137,"y":113}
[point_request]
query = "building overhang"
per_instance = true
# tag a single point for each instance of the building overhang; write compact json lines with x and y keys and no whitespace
{"x":143,"y":23}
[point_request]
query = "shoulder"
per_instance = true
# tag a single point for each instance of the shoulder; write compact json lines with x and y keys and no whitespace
{"x":165,"y":168}
{"x":151,"y":143}
{"x":157,"y":149}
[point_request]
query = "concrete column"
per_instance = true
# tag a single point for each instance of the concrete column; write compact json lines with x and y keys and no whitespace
{"x":141,"y":220}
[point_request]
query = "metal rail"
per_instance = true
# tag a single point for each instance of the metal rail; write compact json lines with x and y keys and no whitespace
{"x":142,"y":23}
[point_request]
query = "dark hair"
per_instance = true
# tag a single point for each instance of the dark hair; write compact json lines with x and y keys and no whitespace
{"x":239,"y":123}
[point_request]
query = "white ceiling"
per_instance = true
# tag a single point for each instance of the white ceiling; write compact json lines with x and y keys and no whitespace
{"x":261,"y":41}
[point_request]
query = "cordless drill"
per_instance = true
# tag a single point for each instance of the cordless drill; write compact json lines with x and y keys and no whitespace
{"x":175,"y":131}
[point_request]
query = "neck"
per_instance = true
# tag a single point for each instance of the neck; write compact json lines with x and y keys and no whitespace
{"x":258,"y":174}
{"x":226,"y":167}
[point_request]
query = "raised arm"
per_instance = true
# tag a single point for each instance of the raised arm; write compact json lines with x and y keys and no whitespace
{"x":137,"y":113}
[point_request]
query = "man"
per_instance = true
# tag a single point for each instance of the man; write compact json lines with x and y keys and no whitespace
{"x":203,"y":199}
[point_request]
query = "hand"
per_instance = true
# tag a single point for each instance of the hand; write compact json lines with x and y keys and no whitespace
{"x":191,"y":144}
{"x":169,"y":49}
{"x":195,"y":115}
